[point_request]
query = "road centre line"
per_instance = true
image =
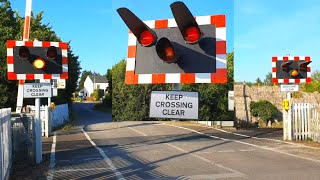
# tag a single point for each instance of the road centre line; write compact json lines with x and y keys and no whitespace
{"x":52,"y":157}
{"x":249,"y":144}
{"x":105,"y":157}
{"x":199,"y":157}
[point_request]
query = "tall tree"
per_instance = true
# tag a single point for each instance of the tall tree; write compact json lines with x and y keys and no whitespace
{"x":8,"y":30}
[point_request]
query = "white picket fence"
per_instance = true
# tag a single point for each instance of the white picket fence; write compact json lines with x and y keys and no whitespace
{"x":5,"y":143}
{"x":304,"y":123}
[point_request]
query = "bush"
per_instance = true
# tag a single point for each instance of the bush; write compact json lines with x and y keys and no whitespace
{"x":264,"y":110}
{"x":95,"y":95}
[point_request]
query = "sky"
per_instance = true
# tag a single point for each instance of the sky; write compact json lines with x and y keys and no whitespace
{"x":155,"y":10}
{"x":86,"y":24}
{"x":256,"y":29}
{"x":263,"y":29}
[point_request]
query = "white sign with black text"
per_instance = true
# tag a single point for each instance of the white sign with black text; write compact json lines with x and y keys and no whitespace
{"x":37,"y":90}
{"x":231,"y":100}
{"x":174,"y":104}
{"x":289,"y":87}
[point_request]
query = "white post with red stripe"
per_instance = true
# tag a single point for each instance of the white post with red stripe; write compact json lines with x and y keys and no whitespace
{"x":37,"y":121}
{"x":26,"y":30}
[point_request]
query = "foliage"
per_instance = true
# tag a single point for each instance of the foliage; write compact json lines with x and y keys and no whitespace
{"x":131,"y":102}
{"x":265,"y":110}
{"x":109,"y":79}
{"x":258,"y":82}
{"x":268,"y":80}
{"x":107,"y":100}
{"x":95,"y":95}
{"x":11,"y":28}
{"x":314,"y":85}
{"x":8,"y":30}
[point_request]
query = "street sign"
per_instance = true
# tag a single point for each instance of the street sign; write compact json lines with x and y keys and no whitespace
{"x":231,"y":100}
{"x":61,"y":83}
{"x":289,"y":87}
{"x":37,"y":90}
{"x":174,"y":104}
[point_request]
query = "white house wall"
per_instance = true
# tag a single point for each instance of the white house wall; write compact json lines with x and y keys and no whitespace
{"x":88,"y":87}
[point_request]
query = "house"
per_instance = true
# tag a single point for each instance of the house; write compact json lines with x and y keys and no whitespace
{"x":94,"y":82}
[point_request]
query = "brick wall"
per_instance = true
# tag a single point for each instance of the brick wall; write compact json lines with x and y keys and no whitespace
{"x":244,"y":94}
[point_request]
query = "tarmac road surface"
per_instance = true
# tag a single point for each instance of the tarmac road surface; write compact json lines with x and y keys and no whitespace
{"x":98,"y":148}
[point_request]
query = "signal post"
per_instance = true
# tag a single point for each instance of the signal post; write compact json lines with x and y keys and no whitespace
{"x":289,"y":72}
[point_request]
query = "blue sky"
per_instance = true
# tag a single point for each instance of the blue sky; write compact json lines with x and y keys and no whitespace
{"x":153,"y":10}
{"x":87,"y":24}
{"x":274,"y":28}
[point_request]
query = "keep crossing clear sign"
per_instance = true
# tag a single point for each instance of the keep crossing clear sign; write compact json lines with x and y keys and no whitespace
{"x":174,"y":104}
{"x":37,"y":90}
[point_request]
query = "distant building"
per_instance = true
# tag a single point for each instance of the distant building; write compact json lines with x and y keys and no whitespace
{"x":94,"y":82}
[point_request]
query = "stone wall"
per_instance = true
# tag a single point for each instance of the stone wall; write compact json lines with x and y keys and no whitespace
{"x":243,"y":95}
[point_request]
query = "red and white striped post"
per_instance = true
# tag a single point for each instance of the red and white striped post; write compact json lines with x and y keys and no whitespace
{"x":26,"y":31}
{"x":37,"y":123}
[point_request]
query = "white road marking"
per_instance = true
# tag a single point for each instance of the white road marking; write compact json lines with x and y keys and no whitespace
{"x":71,"y":160}
{"x":275,"y":140}
{"x":224,"y":151}
{"x":138,"y":131}
{"x":105,"y":157}
{"x":236,"y":173}
{"x":249,"y":144}
{"x":52,"y":157}
{"x":84,"y":169}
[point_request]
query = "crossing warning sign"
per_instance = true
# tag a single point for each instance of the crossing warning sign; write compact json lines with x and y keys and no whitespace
{"x":174,"y":104}
{"x":37,"y":90}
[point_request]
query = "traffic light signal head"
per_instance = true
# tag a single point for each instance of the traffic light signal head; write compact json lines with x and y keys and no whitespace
{"x":187,"y":49}
{"x":287,"y":69}
{"x":166,"y":51}
{"x":187,"y":25}
{"x":30,"y":60}
{"x":145,"y":36}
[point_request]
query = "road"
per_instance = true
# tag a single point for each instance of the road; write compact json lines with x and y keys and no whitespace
{"x":98,"y":148}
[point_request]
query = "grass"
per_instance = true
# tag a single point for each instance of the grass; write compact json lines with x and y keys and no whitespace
{"x":103,"y":108}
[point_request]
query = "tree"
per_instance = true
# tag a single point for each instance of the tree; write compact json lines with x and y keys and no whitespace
{"x":8,"y":30}
{"x":258,"y":81}
{"x":109,"y":79}
{"x":314,"y":85}
{"x":268,"y":80}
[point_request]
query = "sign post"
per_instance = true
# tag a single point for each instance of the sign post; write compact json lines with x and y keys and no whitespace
{"x":37,"y":91}
{"x":289,"y":71}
